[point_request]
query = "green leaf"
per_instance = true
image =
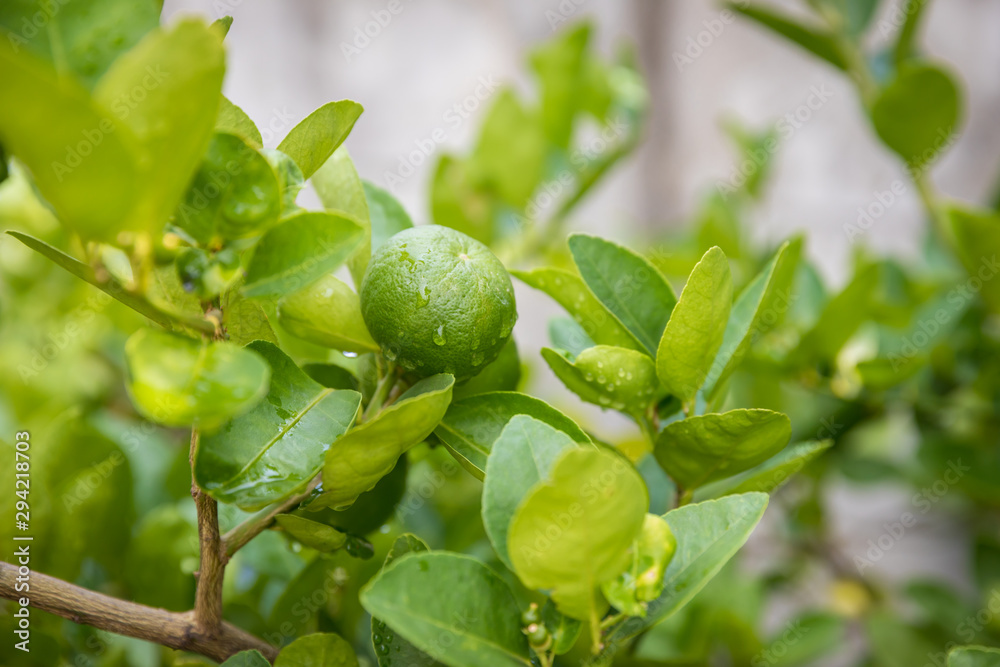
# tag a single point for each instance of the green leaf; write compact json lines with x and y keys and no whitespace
{"x":166,"y":90}
{"x":313,"y":141}
{"x":275,"y":450}
{"x":247,"y":659}
{"x":564,"y":630}
{"x":311,"y":533}
{"x":697,"y":327}
{"x":570,"y":292}
{"x":391,"y":648}
{"x":233,"y":120}
{"x":769,"y":475}
{"x":451,"y":607}
{"x":371,"y":510}
{"x":567,"y":335}
{"x":234,"y":194}
{"x":916,"y":114}
{"x":78,"y":38}
{"x":520,"y":458}
{"x":572,"y":532}
{"x":708,"y":535}
{"x":388,"y":217}
{"x":300,"y":250}
{"x":317,"y":650}
{"x":627,"y":284}
{"x":611,"y":377}
{"x":327,"y":313}
{"x":501,"y":374}
{"x":246,"y":321}
{"x":974,"y":656}
{"x":161,"y":558}
{"x":222,"y":25}
{"x":906,"y":42}
{"x":457,"y":201}
{"x":699,"y":450}
{"x":817,"y":41}
{"x":559,"y":65}
{"x":84,"y":272}
{"x":642,"y":581}
{"x":841,"y":316}
{"x":178,"y":381}
{"x":859,"y":14}
{"x":472,"y":425}
{"x":85,"y":162}
{"x":290,"y":180}
{"x":760,"y":306}
{"x":360,"y":458}
{"x":510,"y":155}
{"x":339,"y":188}
{"x":977,"y":235}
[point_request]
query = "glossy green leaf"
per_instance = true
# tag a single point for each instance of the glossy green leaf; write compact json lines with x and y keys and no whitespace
{"x":311,"y":533}
{"x":628,"y":286}
{"x":327,"y":313}
{"x":85,"y":163}
{"x":520,"y":458}
{"x":642,"y":580}
{"x":760,"y":306}
{"x":708,"y":535}
{"x":166,"y":90}
{"x":390,"y":648}
{"x":246,"y":321}
{"x":317,"y":650}
{"x":611,"y":377}
{"x":769,"y":475}
{"x":817,"y":41}
{"x":247,"y":659}
{"x":360,"y":458}
{"x":388,"y":217}
{"x":233,"y":120}
{"x":570,"y":292}
{"x":339,"y":188}
{"x":697,"y":327}
{"x":974,"y":656}
{"x":451,"y":607}
{"x":699,"y":450}
{"x":501,"y":374}
{"x":472,"y":425}
{"x":179,"y":381}
{"x":300,"y":250}
{"x":234,"y":194}
{"x":275,"y":450}
{"x":564,"y":630}
{"x":371,"y":510}
{"x":567,"y":335}
{"x":916,"y":114}
{"x":572,"y":532}
{"x":313,"y":141}
{"x":977,"y":235}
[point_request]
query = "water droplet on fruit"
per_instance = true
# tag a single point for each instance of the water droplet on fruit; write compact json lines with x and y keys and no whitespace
{"x":477,"y":359}
{"x":438,"y":336}
{"x":604,"y":400}
{"x":628,"y":376}
{"x":423,"y":295}
{"x":589,"y":377}
{"x":600,"y":364}
{"x":601,"y":379}
{"x":390,"y":354}
{"x":621,"y":372}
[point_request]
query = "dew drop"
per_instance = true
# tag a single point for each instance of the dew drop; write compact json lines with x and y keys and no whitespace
{"x":628,"y":376}
{"x":438,"y":336}
{"x":589,"y":377}
{"x":477,"y":359}
{"x":377,"y":638}
{"x":621,"y":372}
{"x":601,"y":379}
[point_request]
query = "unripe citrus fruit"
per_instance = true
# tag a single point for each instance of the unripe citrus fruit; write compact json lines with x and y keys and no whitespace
{"x":438,"y":301}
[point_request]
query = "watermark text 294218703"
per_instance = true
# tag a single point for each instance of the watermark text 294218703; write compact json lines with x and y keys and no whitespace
{"x":22,"y":540}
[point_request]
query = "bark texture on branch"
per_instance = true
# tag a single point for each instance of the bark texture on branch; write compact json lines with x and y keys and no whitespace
{"x":208,"y":597}
{"x":176,"y":630}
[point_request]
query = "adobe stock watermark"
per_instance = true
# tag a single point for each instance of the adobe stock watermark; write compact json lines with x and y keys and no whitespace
{"x":785,"y":127}
{"x":364,"y":34}
{"x":563,"y":12}
{"x":923,"y":501}
{"x":779,"y":648}
{"x":32,"y":25}
{"x":968,"y":630}
{"x":713,"y":28}
{"x":895,"y":18}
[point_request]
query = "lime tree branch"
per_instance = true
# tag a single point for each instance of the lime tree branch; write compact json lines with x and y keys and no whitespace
{"x":178,"y":631}
{"x":236,"y":538}
{"x":208,"y":598}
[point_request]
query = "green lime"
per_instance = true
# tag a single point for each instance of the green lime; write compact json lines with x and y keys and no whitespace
{"x":438,"y":301}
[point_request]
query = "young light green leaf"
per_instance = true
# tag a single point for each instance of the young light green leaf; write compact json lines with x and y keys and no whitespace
{"x":300,"y":250}
{"x":697,"y":327}
{"x":566,"y":334}
{"x":233,"y":194}
{"x":977,"y":235}
{"x":276,"y":449}
{"x":770,"y":475}
{"x":708,"y":535}
{"x":313,"y":141}
{"x":166,"y":90}
{"x":626,"y":283}
{"x":179,"y":381}
{"x":760,"y":306}
{"x":246,"y":321}
{"x":247,"y":659}
{"x":339,"y":188}
{"x":699,"y":450}
{"x":520,"y":458}
{"x":451,"y":607}
{"x":233,"y":120}
{"x":572,"y":532}
{"x":388,"y":217}
{"x":360,"y":458}
{"x":642,"y":581}
{"x":510,"y":155}
{"x":559,"y":65}
{"x":290,"y":180}
{"x":817,"y":41}
{"x":472,"y":425}
{"x":317,"y":650}
{"x":85,"y":163}
{"x":916,"y":114}
{"x":222,"y":25}
{"x":564,"y":630}
{"x":841,"y":316}
{"x":458,"y":202}
{"x":570,"y":292}
{"x":611,"y":377}
{"x":974,"y":656}
{"x":311,"y":533}
{"x":327,"y":313}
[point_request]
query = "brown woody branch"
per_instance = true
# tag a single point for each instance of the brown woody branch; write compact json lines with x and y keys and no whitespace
{"x":208,"y":598}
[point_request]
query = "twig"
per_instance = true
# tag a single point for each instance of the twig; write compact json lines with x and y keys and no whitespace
{"x":178,"y":631}
{"x":208,"y":598}
{"x":236,"y":538}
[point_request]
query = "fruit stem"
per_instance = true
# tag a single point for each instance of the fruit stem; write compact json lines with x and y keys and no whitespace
{"x":385,"y":385}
